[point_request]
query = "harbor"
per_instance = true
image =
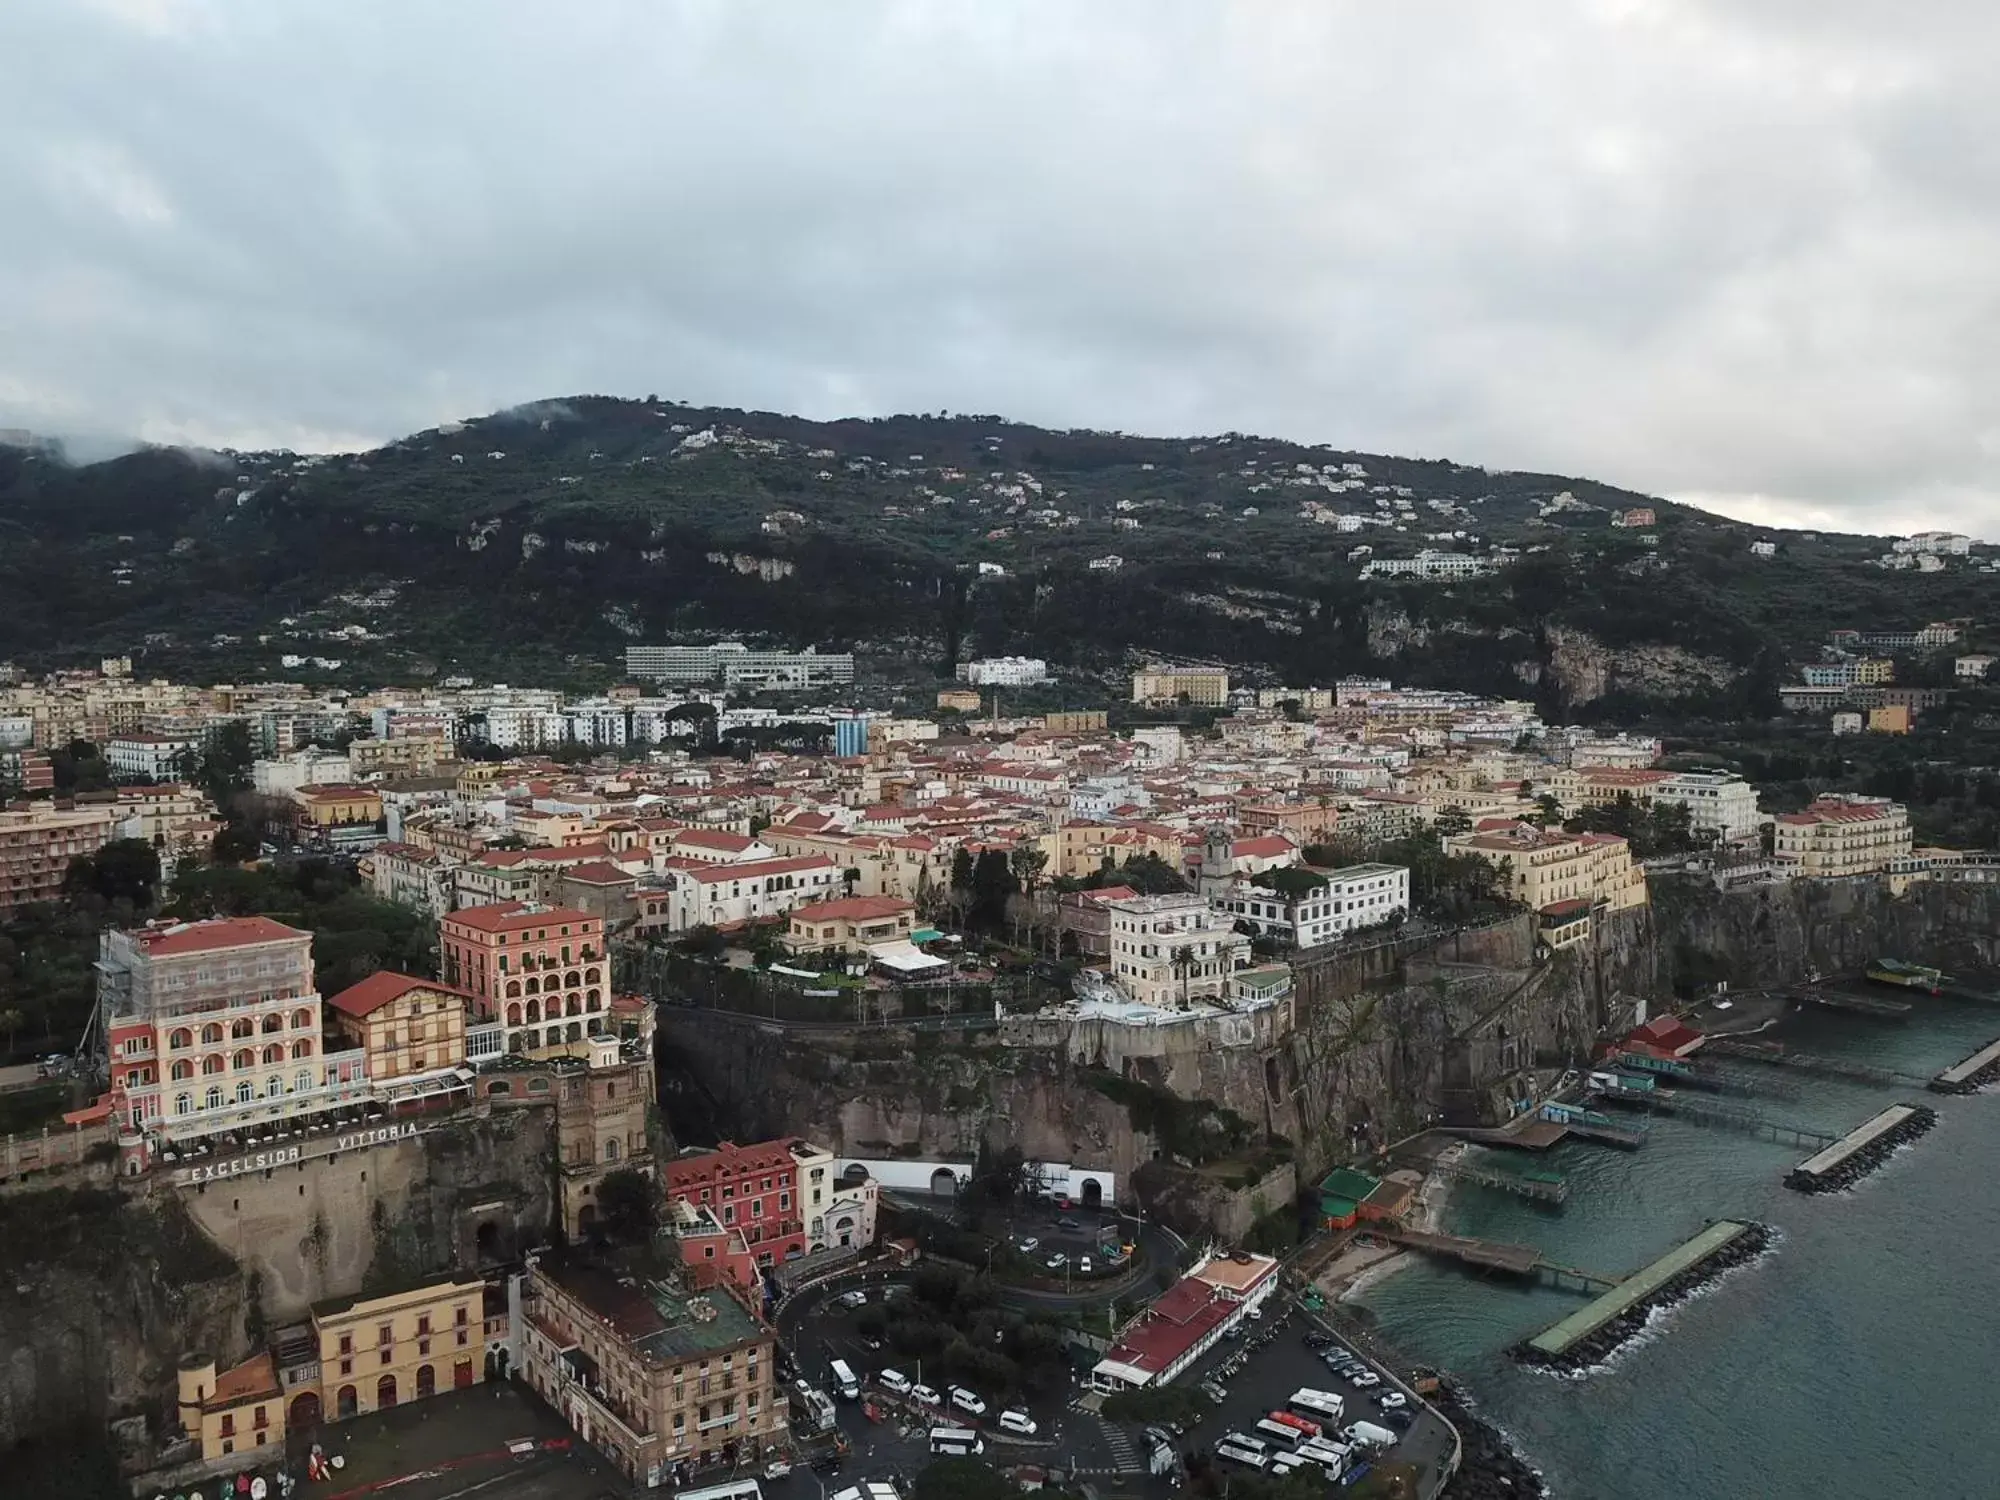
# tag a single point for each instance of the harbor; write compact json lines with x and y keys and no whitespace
{"x":1861,"y":1150}
{"x":1592,"y":1332}
{"x":1966,"y":1077}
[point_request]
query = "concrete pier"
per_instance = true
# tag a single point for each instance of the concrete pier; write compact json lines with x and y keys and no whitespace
{"x":1966,"y":1077}
{"x":1861,"y":1150}
{"x":1593,"y":1331}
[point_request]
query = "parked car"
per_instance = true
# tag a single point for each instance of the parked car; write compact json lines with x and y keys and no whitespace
{"x":1391,"y":1400}
{"x":967,"y":1401}
{"x":894,"y":1380}
{"x":1028,"y":1244}
{"x":1083,"y":1266}
{"x":1057,"y":1261}
{"x":923,"y":1395}
{"x":1013,"y":1419}
{"x":855,"y":1298}
{"x":1068,"y":1223}
{"x":1365,"y":1380}
{"x":777,"y":1468}
{"x":1317,"y":1340}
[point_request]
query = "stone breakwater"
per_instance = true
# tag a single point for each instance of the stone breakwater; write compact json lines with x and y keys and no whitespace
{"x":1599,"y":1344}
{"x":1833,"y":1177}
{"x":1489,"y":1468}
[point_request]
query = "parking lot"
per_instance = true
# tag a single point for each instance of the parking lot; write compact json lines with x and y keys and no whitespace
{"x":1071,"y":1436}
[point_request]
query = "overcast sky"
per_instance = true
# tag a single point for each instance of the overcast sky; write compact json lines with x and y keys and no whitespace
{"x":1744,"y":253}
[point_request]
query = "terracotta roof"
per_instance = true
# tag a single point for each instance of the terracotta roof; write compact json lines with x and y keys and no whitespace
{"x":597,"y":872}
{"x":714,"y":838}
{"x":852,"y":909}
{"x":377,"y":990}
{"x":756,"y":868}
{"x":167,"y":940}
{"x":510,"y":916}
{"x":256,"y":1379}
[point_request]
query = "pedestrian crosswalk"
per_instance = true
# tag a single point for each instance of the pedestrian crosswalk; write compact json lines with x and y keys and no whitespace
{"x":1123,"y":1449}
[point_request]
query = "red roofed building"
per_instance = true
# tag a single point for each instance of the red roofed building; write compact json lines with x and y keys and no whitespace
{"x":215,"y":1026}
{"x":1838,"y":835}
{"x":715,"y":846}
{"x":738,"y":1208}
{"x":542,"y":970}
{"x":690,"y":894}
{"x":1190,"y":1318}
{"x":406,"y":1027}
{"x":854,"y":922}
{"x":1666,"y":1036}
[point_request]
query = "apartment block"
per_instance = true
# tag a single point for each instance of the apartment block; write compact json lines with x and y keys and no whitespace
{"x":541,"y":970}
{"x":736,"y":665}
{"x":669,"y":1383}
{"x":1170,"y":951}
{"x":1541,"y":867}
{"x":1841,"y":834}
{"x":409,"y":1029}
{"x":1353,"y":897}
{"x":1163,"y":686}
{"x":731,"y":895}
{"x":38,"y":840}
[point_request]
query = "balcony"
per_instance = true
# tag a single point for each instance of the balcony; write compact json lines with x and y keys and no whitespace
{"x":726,"y":1419}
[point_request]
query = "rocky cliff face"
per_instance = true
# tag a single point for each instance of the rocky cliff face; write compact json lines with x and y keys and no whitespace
{"x":1585,"y":669}
{"x":101,"y":1298}
{"x":1384,"y":1041}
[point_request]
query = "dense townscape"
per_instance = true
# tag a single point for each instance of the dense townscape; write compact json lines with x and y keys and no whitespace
{"x":325,"y":924}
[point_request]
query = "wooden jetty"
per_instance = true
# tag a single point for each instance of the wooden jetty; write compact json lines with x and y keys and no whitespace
{"x":1541,"y":1187}
{"x":1495,"y":1255}
{"x":1773,"y":1055}
{"x":1715,"y":1112}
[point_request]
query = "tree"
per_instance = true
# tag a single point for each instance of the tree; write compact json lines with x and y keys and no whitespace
{"x":1185,"y":963}
{"x":963,"y":1479}
{"x":628,"y":1205}
{"x":11,"y":1022}
{"x":234,"y":844}
{"x":1452,"y":821}
{"x":125,"y":870}
{"x":992,"y":884}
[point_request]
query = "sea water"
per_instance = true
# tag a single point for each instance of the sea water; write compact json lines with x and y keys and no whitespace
{"x":1860,"y":1357}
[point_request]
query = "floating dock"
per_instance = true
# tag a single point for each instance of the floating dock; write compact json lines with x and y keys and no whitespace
{"x":1590,"y":1333}
{"x":1966,"y":1077}
{"x":1858,"y":1005}
{"x":1776,"y":1056}
{"x":1861,"y":1150}
{"x":1723,"y":1116}
{"x":1540,"y":1187}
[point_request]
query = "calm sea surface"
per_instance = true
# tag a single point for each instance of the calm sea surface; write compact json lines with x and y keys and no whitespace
{"x":1860,"y":1358}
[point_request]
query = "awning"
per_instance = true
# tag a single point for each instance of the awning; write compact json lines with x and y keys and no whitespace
{"x":904,"y":959}
{"x":925,"y":935}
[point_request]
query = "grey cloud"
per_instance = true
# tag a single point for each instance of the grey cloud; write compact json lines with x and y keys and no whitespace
{"x":1739,"y":253}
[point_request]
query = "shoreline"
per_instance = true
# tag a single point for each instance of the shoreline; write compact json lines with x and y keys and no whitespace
{"x":1426,"y":1214}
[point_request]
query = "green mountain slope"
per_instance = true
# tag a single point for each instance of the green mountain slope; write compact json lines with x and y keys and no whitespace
{"x":538,"y":542}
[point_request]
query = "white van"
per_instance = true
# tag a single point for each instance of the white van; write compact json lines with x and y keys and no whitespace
{"x":894,"y":1382}
{"x":967,"y":1401}
{"x":923,"y":1395}
{"x":1015,"y":1420}
{"x":844,"y":1380}
{"x":1368,"y":1435}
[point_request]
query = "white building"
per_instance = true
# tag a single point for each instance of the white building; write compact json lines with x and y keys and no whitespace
{"x":1763,"y":549}
{"x":160,"y":757}
{"x":1349,"y":898}
{"x":1973,"y":666}
{"x":1172,"y":950}
{"x":1720,"y":803}
{"x":723,"y":895}
{"x":308,"y":767}
{"x":1160,"y":744}
{"x":1004,"y":671}
{"x":1946,"y":543}
{"x":1428,"y":563}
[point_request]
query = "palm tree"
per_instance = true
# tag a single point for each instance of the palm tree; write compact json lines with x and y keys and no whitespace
{"x":1185,"y":965}
{"x":11,"y":1021}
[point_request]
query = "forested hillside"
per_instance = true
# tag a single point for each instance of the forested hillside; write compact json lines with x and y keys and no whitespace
{"x":536,"y":543}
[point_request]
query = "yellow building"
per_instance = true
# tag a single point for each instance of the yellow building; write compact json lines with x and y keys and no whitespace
{"x":378,"y":1352}
{"x":1076,"y":721}
{"x":408,"y":1027}
{"x":1202,"y":687}
{"x":851,"y":923}
{"x":1842,"y":835}
{"x":241,"y":1410}
{"x":412,"y":755}
{"x":962,"y":700}
{"x":338,"y":806}
{"x":1541,"y":867}
{"x":1893,"y":719}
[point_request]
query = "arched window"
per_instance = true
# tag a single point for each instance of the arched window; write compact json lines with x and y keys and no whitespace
{"x":515,"y":1042}
{"x":245,"y":1092}
{"x":572,"y":979}
{"x":302,"y":1083}
{"x":214,"y":1100}
{"x":183,"y":1104}
{"x":576,"y":1031}
{"x":242,"y":1028}
{"x":273,"y":1022}
{"x":180,"y":1037}
{"x":534,"y":985}
{"x":534,"y":1010}
{"x":212,"y":1032}
{"x":301,"y":1020}
{"x":212,"y":1063}
{"x":244,"y":1059}
{"x":574,"y":1007}
{"x":302,"y":1048}
{"x":514,"y":1015}
{"x":513,"y":988}
{"x":594,"y":1000}
{"x":611,"y":1151}
{"x":182,"y":1069}
{"x":592,"y":975}
{"x":273,"y":1086}
{"x":275,"y":1053}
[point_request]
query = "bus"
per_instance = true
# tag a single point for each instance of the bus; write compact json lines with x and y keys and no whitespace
{"x":956,"y":1441}
{"x":1248,"y":1457}
{"x":844,"y":1381}
{"x":1293,"y":1419}
{"x":1277,"y":1435}
{"x":1324,"y":1407}
{"x":736,"y":1489}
